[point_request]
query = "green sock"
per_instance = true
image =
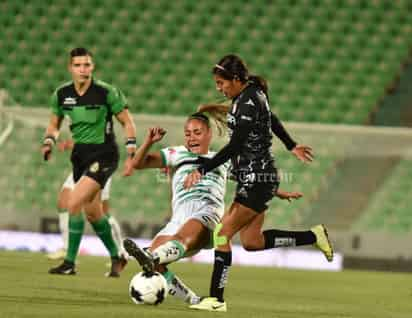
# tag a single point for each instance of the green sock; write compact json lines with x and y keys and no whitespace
{"x":169,"y":275}
{"x":104,"y":231}
{"x":76,"y":228}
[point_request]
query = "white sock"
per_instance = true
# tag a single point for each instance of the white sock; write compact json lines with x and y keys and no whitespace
{"x":169,"y":252}
{"x":64,"y":227}
{"x":117,"y":235}
{"x":178,"y":289}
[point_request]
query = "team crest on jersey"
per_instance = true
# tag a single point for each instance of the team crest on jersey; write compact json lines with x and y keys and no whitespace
{"x":69,"y":101}
{"x":231,"y":119}
{"x":94,"y":167}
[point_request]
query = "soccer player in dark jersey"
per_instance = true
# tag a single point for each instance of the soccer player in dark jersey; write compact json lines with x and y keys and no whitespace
{"x":250,"y":124}
{"x":90,"y":104}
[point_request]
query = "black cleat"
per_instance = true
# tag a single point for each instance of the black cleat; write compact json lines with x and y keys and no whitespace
{"x":118,"y":264}
{"x":144,"y":258}
{"x":66,"y":268}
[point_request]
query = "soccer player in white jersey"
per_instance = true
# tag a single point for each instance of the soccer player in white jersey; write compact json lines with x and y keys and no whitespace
{"x":195,"y":212}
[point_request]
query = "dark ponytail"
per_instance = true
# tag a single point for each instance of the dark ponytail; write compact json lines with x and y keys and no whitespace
{"x":260,"y":82}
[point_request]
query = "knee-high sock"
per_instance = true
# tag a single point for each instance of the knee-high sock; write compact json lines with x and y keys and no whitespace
{"x":277,"y":238}
{"x":116,"y":233}
{"x":76,"y":229}
{"x":64,"y":227}
{"x":169,"y":252}
{"x":223,"y":260}
{"x":104,"y":231}
{"x":178,"y":289}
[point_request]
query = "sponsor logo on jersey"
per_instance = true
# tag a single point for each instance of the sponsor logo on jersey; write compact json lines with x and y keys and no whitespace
{"x":94,"y":167}
{"x":250,"y":102}
{"x":70,"y":101}
{"x":248,"y":118}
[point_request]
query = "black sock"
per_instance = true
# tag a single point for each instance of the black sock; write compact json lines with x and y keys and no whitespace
{"x":220,"y":272}
{"x":277,"y":238}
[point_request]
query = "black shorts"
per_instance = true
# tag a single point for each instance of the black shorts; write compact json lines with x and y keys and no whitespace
{"x":256,"y":195}
{"x":95,"y":161}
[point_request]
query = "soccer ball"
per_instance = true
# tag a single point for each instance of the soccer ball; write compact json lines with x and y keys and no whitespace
{"x":148,"y":288}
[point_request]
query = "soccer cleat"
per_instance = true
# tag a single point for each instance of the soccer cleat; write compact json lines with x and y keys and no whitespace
{"x":118,"y":264}
{"x":66,"y":268}
{"x":322,"y":241}
{"x":143,"y":257}
{"x":60,"y":254}
{"x":210,"y":304}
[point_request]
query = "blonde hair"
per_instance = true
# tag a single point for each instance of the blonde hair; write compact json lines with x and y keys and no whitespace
{"x":218,"y":113}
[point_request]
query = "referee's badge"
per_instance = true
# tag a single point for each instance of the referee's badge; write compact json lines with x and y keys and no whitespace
{"x":94,"y":167}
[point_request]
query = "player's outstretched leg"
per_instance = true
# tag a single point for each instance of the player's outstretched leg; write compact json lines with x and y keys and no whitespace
{"x":179,"y":289}
{"x":144,"y":258}
{"x":322,"y":241}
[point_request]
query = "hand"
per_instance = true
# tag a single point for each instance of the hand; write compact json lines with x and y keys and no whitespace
{"x":46,"y":151}
{"x":303,"y":153}
{"x":65,"y":145}
{"x":286,"y":195}
{"x":191,"y":179}
{"x":128,"y":168}
{"x":154,"y":134}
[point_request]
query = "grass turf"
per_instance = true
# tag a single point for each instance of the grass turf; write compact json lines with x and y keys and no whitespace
{"x":28,"y":291}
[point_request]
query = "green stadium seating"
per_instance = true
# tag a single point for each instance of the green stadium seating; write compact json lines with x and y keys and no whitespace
{"x":326,"y":61}
{"x":160,"y":53}
{"x":389,"y":209}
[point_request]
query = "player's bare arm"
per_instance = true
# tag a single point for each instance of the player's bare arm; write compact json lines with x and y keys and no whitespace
{"x":125,"y":119}
{"x":143,"y":159}
{"x":52,"y":132}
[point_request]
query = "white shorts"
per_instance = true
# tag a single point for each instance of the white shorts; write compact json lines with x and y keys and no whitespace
{"x":69,"y":184}
{"x":206,"y":213}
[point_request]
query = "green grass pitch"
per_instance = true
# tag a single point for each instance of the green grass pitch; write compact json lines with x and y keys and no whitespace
{"x":28,"y":291}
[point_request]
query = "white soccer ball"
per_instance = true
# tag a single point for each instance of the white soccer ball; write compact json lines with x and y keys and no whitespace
{"x":150,"y":289}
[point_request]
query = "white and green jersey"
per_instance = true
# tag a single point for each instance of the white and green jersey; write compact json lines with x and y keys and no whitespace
{"x":211,"y":187}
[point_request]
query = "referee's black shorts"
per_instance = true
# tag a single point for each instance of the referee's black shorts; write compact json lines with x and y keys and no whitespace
{"x":95,"y":161}
{"x":256,"y":193}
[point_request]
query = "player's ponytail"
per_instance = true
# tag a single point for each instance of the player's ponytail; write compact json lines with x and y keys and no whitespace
{"x":217,"y":112}
{"x":260,"y":82}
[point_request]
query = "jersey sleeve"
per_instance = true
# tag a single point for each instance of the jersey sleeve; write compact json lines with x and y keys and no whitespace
{"x":54,"y":104}
{"x":169,"y":156}
{"x":116,"y":100}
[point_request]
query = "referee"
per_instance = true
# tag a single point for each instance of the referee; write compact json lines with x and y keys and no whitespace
{"x":90,"y":105}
